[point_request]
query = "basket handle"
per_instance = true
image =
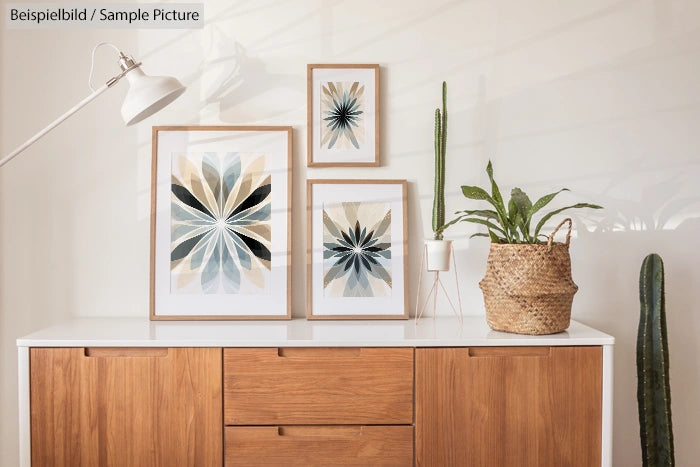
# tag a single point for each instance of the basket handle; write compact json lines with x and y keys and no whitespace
{"x":568,"y":234}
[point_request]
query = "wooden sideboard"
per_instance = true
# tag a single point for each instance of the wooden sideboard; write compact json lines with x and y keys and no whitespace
{"x":131,"y":392}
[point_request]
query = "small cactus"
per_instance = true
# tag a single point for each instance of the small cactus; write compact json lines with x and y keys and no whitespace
{"x":440,"y":146}
{"x":653,"y":389}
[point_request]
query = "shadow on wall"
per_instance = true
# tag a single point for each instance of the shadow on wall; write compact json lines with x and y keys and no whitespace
{"x":606,"y":262}
{"x":661,"y":206}
{"x":231,"y":77}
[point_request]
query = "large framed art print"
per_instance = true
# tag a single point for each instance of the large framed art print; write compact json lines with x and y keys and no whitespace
{"x":220,"y":222}
{"x":356,"y":249}
{"x":343,"y":115}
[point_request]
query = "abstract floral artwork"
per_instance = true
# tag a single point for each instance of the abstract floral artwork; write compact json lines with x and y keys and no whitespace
{"x":342,"y":111}
{"x":220,"y":223}
{"x":356,"y":258}
{"x":342,"y":115}
{"x":357,"y":249}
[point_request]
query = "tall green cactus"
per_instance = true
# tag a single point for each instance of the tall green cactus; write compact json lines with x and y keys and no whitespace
{"x":653,"y":389}
{"x":440,"y":146}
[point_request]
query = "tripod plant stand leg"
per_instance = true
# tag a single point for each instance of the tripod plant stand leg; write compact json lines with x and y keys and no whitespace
{"x":437,"y":285}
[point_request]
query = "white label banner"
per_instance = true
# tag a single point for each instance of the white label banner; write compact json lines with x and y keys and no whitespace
{"x":105,"y":16}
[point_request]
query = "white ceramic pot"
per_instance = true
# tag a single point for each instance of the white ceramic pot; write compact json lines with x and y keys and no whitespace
{"x":438,"y":254}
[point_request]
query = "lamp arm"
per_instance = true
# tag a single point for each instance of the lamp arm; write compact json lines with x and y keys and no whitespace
{"x":134,"y":110}
{"x":59,"y":120}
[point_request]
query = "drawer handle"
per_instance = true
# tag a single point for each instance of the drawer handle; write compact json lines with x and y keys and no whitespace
{"x":126,"y":352}
{"x":318,"y":352}
{"x":320,"y":431}
{"x":486,"y":352}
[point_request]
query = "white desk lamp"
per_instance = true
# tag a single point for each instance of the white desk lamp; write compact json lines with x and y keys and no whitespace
{"x":146,"y":96}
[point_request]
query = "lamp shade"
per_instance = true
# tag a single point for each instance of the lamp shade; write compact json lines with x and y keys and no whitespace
{"x":148,"y":94}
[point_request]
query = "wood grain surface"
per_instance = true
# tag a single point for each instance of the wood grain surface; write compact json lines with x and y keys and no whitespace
{"x":320,"y":446}
{"x":508,"y":406}
{"x":309,"y":386}
{"x":133,"y":407}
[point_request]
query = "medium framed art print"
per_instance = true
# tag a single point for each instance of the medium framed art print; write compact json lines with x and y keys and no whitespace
{"x":356,"y":249}
{"x":343,"y":115}
{"x":220,"y":222}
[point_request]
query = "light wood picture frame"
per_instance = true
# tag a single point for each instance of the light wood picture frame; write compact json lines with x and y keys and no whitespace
{"x":357,"y":253}
{"x":342,"y":115}
{"x":221,"y":223}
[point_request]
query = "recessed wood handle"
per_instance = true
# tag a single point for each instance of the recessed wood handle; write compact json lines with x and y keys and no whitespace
{"x":485,"y":352}
{"x":320,"y":431}
{"x":318,"y":352}
{"x":126,"y":352}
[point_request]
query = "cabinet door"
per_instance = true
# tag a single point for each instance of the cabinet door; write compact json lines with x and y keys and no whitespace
{"x":514,"y":406}
{"x":126,"y":406}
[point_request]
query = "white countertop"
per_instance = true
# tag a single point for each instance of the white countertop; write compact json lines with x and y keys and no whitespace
{"x":429,"y":332}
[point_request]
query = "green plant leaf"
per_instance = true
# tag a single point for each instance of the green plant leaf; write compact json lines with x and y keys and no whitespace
{"x":488,"y":224}
{"x":512,"y":210}
{"x":524,"y":205}
{"x":516,"y":222}
{"x":515,"y":236}
{"x":543,"y":201}
{"x":520,"y":223}
{"x":522,"y":201}
{"x":498,"y":200}
{"x":495,"y":192}
{"x":513,"y":222}
{"x":549,"y":215}
{"x":442,"y":228}
{"x":486,"y":213}
{"x":474,"y":192}
{"x":495,"y":238}
{"x":479,"y":234}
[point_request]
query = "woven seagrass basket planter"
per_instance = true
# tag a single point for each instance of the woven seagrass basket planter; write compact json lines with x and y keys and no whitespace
{"x":528,"y":288}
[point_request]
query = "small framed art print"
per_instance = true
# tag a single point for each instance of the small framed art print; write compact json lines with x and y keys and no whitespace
{"x":220,"y":222}
{"x":356,"y":249}
{"x":343,"y":115}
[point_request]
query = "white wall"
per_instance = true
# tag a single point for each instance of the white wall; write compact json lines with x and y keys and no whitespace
{"x":601,"y":96}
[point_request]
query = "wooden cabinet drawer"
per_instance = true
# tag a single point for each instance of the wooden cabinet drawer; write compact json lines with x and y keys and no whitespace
{"x":310,"y":386}
{"x":319,"y":445}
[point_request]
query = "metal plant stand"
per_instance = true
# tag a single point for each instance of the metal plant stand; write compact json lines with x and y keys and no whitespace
{"x":436,"y":287}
